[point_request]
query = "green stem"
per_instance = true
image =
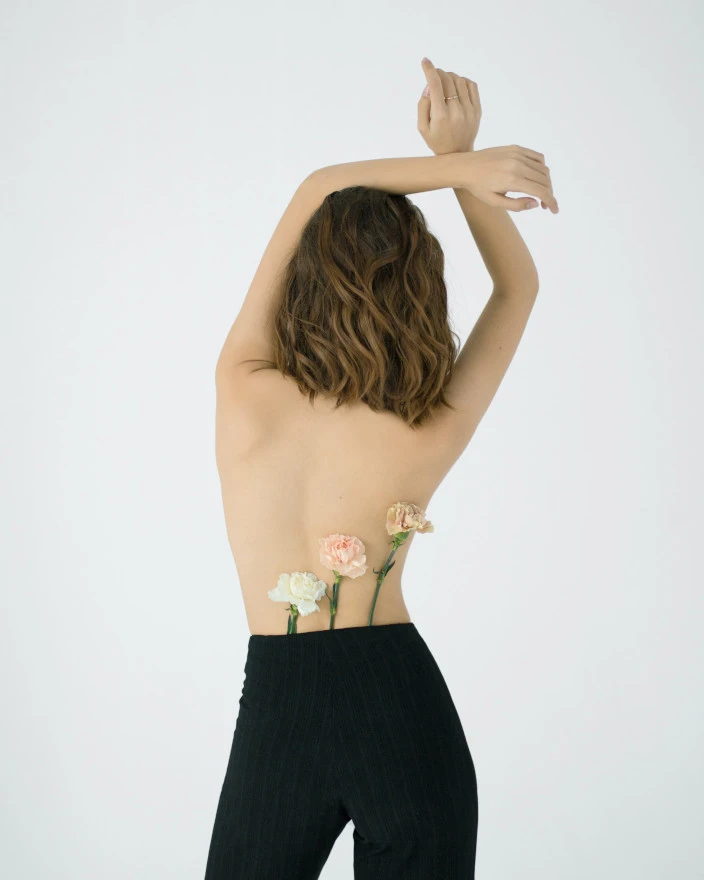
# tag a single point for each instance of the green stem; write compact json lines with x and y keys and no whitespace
{"x":382,"y":574}
{"x":333,"y":601}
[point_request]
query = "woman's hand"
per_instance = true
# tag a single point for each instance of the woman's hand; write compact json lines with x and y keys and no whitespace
{"x":448,"y":126}
{"x":489,"y":174}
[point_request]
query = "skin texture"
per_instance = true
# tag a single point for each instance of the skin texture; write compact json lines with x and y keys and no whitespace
{"x":291,"y":471}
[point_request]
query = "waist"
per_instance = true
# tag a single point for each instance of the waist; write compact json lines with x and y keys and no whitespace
{"x":348,"y":642}
{"x":346,"y":632}
{"x":293,"y":678}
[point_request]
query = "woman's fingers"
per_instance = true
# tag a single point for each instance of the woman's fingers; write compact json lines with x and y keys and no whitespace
{"x":459,"y":87}
{"x":451,"y":87}
{"x":541,"y":191}
{"x":537,"y":173}
{"x":464,"y":93}
{"x":447,"y":85}
{"x":473,"y":90}
{"x":509,"y":203}
{"x":432,"y":77}
{"x":530,"y":154}
{"x":532,"y":178}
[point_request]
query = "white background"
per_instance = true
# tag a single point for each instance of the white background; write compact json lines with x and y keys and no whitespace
{"x":148,"y":151}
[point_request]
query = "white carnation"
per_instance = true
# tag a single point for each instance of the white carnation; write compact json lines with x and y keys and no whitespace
{"x":300,"y":588}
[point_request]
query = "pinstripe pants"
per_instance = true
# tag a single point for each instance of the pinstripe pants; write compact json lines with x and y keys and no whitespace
{"x":346,"y":724}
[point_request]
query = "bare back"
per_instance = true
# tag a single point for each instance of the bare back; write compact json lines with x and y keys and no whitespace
{"x":293,"y":471}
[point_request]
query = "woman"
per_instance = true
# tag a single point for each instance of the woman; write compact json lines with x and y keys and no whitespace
{"x":341,"y":405}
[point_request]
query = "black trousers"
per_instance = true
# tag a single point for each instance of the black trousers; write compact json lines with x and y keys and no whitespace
{"x":338,"y":725}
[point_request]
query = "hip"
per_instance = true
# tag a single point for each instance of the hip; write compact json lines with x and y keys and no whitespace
{"x":341,"y":676}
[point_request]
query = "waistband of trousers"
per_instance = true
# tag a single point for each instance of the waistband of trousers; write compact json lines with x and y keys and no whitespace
{"x":289,"y":645}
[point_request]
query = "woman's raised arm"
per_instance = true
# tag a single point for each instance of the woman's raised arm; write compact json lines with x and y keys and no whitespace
{"x":404,"y":176}
{"x":488,"y":174}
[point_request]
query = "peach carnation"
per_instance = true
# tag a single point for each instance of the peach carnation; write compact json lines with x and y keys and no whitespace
{"x":344,"y":554}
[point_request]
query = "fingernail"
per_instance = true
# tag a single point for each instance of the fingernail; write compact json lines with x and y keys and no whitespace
{"x":426,"y":60}
{"x":426,"y":91}
{"x":532,"y":205}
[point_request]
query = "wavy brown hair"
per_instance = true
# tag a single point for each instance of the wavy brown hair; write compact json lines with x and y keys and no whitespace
{"x":363,"y":312}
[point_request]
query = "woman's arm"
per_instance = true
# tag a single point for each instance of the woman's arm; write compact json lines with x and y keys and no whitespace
{"x":501,"y":246}
{"x":486,"y":173}
{"x":505,"y":254}
{"x":494,"y":339}
{"x":404,"y":176}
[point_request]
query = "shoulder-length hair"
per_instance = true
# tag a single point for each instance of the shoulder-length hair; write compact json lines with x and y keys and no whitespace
{"x":363,"y":313}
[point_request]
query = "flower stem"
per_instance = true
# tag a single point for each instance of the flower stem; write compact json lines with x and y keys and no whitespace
{"x":397,"y":541}
{"x":333,"y":601}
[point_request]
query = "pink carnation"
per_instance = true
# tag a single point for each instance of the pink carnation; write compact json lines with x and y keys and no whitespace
{"x":404,"y":516}
{"x":344,"y":554}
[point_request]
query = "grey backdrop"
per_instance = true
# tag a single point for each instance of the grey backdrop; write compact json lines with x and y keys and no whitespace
{"x":148,"y":151}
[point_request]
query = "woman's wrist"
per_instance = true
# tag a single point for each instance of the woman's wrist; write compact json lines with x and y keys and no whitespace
{"x":462,"y":151}
{"x":405,"y":176}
